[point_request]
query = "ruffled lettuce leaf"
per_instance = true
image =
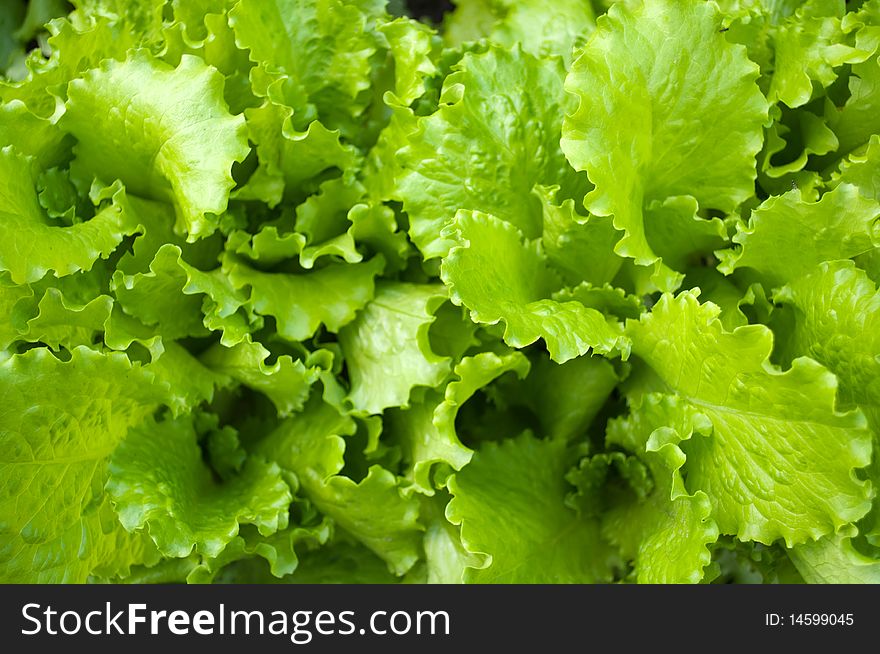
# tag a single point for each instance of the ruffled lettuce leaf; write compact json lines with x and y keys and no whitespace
{"x":386,"y":348}
{"x":159,"y":481}
{"x":426,"y":430}
{"x":835,"y":313}
{"x":834,"y":560}
{"x":494,"y":137}
{"x":373,"y":511}
{"x":165,"y":132}
{"x":528,"y":23}
{"x":33,"y":244}
{"x":667,"y":107}
{"x":324,"y":48}
{"x":666,"y":533}
{"x":301,"y":303}
{"x":768,"y":476}
{"x":510,"y":503}
{"x":499,"y":277}
{"x":839,"y":226}
{"x":60,"y":423}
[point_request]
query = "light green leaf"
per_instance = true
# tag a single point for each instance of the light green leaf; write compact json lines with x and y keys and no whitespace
{"x":165,"y":132}
{"x":278,"y":550}
{"x":566,"y":397}
{"x":510,"y":503}
{"x":679,"y":235}
{"x":286,"y":381}
{"x":863,"y":170}
{"x":667,"y":533}
{"x":372,"y":511}
{"x":268,"y":246}
{"x":787,"y":237}
{"x":805,"y":131}
{"x":341,"y":562}
{"x":494,"y":137}
{"x":290,"y":159}
{"x":386,"y":348}
{"x":580,"y":248}
{"x":667,"y":108}
{"x":471,"y":20}
{"x":325,"y":47}
{"x":193,"y":13}
{"x":445,"y":556}
{"x":121,"y":331}
{"x":301,"y":303}
{"x":32,"y":135}
{"x":834,"y":560}
{"x":59,"y":424}
{"x":157,"y":298}
{"x":32,"y":244}
{"x":40,"y":12}
{"x":837,"y":323}
{"x":807,"y":48}
{"x":375,"y":225}
{"x":74,"y":49}
{"x":143,"y":18}
{"x":225,"y":307}
{"x":17,"y":306}
{"x":492,"y":272}
{"x":859,"y":119}
{"x":767,"y":474}
{"x":159,"y":481}
{"x":721,"y":291}
{"x":413,"y":46}
{"x":61,"y":323}
{"x":189,"y":382}
{"x":426,"y":430}
{"x":323,"y":219}
{"x":528,"y":22}
{"x":606,"y":299}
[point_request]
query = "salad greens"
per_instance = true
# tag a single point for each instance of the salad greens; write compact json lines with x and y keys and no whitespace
{"x":318,"y":291}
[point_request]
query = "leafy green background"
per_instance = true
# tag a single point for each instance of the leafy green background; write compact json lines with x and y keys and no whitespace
{"x":321,"y":291}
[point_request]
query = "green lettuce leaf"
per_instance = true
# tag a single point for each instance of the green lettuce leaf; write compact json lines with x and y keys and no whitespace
{"x":667,"y":533}
{"x":300,"y":304}
{"x":807,"y":49}
{"x":839,"y":226}
{"x":59,"y":425}
{"x":165,"y":132}
{"x":285,"y":382}
{"x":580,"y":248}
{"x":289,"y":159}
{"x":159,"y":481}
{"x":567,"y":397}
{"x":59,"y":323}
{"x":767,"y":475}
{"x":667,"y":108}
{"x":834,"y":560}
{"x":373,"y":511}
{"x":863,"y":170}
{"x":487,"y":146}
{"x":510,"y":503}
{"x":386,"y":348}
{"x":836,"y":310}
{"x":498,"y":277}
{"x":426,"y":430}
{"x":528,"y":23}
{"x":157,"y":298}
{"x":324,"y":47}
{"x":33,"y":244}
